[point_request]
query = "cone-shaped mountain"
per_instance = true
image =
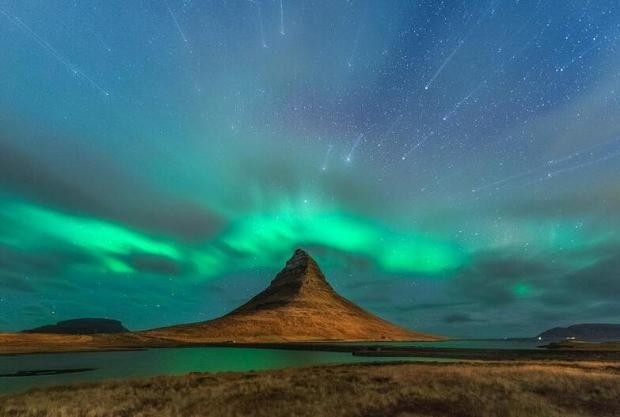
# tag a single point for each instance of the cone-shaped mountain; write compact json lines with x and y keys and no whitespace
{"x":298,"y":305}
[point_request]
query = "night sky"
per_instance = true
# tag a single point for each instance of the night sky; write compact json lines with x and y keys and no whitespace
{"x":453,"y":166}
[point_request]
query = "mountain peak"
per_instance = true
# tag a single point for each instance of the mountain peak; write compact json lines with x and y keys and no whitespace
{"x":301,"y":280}
{"x":298,"y":305}
{"x":298,"y":263}
{"x":299,"y":268}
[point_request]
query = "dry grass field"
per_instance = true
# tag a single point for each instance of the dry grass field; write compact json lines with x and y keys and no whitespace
{"x":515,"y":389}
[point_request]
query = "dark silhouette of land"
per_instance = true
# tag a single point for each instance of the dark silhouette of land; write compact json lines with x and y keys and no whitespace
{"x":585,"y":332}
{"x":574,"y":345}
{"x":46,"y":372}
{"x":81,"y":326}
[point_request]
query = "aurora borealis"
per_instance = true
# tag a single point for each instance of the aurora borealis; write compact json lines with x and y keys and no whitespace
{"x":452,"y":166}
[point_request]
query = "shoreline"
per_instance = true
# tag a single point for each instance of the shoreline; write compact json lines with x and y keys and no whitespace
{"x":549,"y":352}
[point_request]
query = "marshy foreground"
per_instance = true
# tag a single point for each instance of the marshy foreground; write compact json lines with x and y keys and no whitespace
{"x":508,"y":389}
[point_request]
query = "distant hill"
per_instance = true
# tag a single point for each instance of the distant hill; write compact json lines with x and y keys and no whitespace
{"x":586,"y":332}
{"x":299,"y":305}
{"x":81,"y":326}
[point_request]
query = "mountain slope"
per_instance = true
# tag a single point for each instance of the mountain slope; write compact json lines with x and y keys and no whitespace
{"x":299,"y":305}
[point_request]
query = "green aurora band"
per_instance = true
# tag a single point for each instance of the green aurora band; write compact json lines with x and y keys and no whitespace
{"x":263,"y":239}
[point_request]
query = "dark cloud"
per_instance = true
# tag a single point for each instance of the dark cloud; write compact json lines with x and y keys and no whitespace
{"x":35,"y":310}
{"x":154,"y":264}
{"x":48,"y":262}
{"x":91,"y":187}
{"x":557,"y":296}
{"x":183,"y":219}
{"x":601,"y":279}
{"x":29,"y":177}
{"x":593,"y":284}
{"x":355,"y":266}
{"x":276,"y":175}
{"x":9,"y":281}
{"x":229,"y":251}
{"x":491,"y":277}
{"x":600,"y":202}
{"x":434,"y":306}
{"x":610,"y":309}
{"x":456,"y":318}
{"x":356,"y":193}
{"x":555,"y":292}
{"x":57,"y":284}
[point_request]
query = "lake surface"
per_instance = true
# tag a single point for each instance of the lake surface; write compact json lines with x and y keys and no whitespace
{"x":177,"y":361}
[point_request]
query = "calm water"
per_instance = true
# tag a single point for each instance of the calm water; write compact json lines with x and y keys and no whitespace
{"x":177,"y":361}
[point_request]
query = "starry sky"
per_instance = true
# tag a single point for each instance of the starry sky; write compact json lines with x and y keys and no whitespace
{"x":453,"y":166}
